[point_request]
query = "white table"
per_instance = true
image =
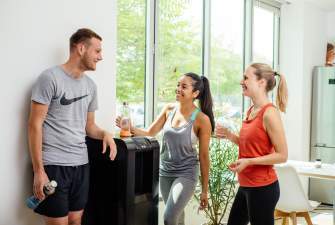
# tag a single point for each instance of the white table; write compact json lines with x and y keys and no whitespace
{"x":327,"y":171}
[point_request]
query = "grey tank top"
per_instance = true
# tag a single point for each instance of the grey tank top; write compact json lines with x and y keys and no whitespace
{"x":179,"y":156}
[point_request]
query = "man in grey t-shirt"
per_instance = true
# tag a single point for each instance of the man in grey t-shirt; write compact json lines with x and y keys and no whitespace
{"x":63,"y":103}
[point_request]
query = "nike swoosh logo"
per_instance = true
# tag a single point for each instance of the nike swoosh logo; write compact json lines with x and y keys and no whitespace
{"x":65,"y":101}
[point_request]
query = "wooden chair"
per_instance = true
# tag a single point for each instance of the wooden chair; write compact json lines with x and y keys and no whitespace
{"x":293,"y":202}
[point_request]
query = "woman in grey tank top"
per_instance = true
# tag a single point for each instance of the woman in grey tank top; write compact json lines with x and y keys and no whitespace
{"x":184,"y":127}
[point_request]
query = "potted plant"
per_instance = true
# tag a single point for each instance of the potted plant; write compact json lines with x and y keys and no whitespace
{"x":222,"y":182}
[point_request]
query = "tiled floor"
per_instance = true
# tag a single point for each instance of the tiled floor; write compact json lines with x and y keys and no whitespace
{"x":322,"y":216}
{"x":192,"y":217}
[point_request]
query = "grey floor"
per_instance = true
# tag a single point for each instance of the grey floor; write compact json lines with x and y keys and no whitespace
{"x":320,"y":216}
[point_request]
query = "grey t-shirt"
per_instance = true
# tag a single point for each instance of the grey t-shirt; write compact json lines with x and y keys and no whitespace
{"x":69,"y":100}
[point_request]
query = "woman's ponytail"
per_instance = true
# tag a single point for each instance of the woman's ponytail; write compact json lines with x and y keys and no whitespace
{"x":201,"y":84}
{"x":282,"y":95}
{"x":264,"y":71}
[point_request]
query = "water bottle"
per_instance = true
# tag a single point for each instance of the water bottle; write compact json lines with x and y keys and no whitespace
{"x":49,"y":188}
{"x":125,"y":121}
{"x":318,"y":160}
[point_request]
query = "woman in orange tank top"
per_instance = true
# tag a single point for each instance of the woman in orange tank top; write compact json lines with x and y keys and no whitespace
{"x":262,"y":144}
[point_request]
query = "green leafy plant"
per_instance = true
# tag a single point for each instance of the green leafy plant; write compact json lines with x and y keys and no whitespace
{"x":222,"y":182}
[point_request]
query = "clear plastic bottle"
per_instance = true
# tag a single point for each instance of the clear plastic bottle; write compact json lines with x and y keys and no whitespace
{"x":125,"y":121}
{"x":49,"y":188}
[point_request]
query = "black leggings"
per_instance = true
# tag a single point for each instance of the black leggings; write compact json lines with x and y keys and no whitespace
{"x":255,"y":205}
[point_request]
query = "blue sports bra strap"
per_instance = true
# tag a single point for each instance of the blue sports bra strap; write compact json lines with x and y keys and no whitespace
{"x":172,"y":112}
{"x":194,"y":114}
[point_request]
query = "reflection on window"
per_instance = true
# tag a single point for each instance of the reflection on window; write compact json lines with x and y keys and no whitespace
{"x":179,"y":47}
{"x":263,"y":29}
{"x":226,"y":60}
{"x":130,"y":78}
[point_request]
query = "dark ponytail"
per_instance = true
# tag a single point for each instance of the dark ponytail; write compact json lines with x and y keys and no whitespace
{"x":201,"y":84}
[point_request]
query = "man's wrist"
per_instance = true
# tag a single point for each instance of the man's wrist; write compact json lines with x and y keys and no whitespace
{"x":106,"y":133}
{"x":39,"y":169}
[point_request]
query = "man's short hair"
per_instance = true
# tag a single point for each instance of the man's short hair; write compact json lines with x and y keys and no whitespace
{"x":330,"y":47}
{"x":82,"y":35}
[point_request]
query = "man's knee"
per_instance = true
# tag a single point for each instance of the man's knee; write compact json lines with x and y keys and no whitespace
{"x":75,"y":217}
{"x":75,"y":222}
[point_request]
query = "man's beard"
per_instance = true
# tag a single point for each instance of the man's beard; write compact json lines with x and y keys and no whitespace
{"x":86,"y":64}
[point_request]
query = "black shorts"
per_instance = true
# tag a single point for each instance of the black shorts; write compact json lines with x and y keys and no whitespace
{"x":71,"y":191}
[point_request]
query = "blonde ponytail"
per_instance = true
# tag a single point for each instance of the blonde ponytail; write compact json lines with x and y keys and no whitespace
{"x":266,"y":72}
{"x":282,"y":94}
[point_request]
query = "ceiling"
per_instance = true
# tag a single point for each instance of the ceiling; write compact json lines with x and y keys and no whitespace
{"x":327,"y":5}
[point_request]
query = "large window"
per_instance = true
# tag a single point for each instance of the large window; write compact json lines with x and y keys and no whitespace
{"x":265,"y":36}
{"x":179,"y":45}
{"x":158,"y":40}
{"x":226,"y":58}
{"x":131,"y":40}
{"x":264,"y":31}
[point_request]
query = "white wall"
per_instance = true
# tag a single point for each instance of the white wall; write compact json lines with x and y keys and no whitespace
{"x":34,"y":36}
{"x":331,"y":26}
{"x":303,"y":45}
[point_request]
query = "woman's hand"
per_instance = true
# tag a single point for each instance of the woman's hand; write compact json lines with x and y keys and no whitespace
{"x":203,"y":201}
{"x":239,"y":165}
{"x":118,"y":121}
{"x":221,"y":131}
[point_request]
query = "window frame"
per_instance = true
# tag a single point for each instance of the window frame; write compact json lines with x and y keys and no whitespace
{"x":151,"y":90}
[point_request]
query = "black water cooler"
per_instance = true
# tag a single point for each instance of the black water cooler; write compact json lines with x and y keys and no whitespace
{"x":123,"y":191}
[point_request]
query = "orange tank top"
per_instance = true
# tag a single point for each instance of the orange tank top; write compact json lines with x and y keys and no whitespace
{"x":255,"y":142}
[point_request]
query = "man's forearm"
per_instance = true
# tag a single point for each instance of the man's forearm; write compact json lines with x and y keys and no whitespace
{"x":95,"y":132}
{"x":35,"y":147}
